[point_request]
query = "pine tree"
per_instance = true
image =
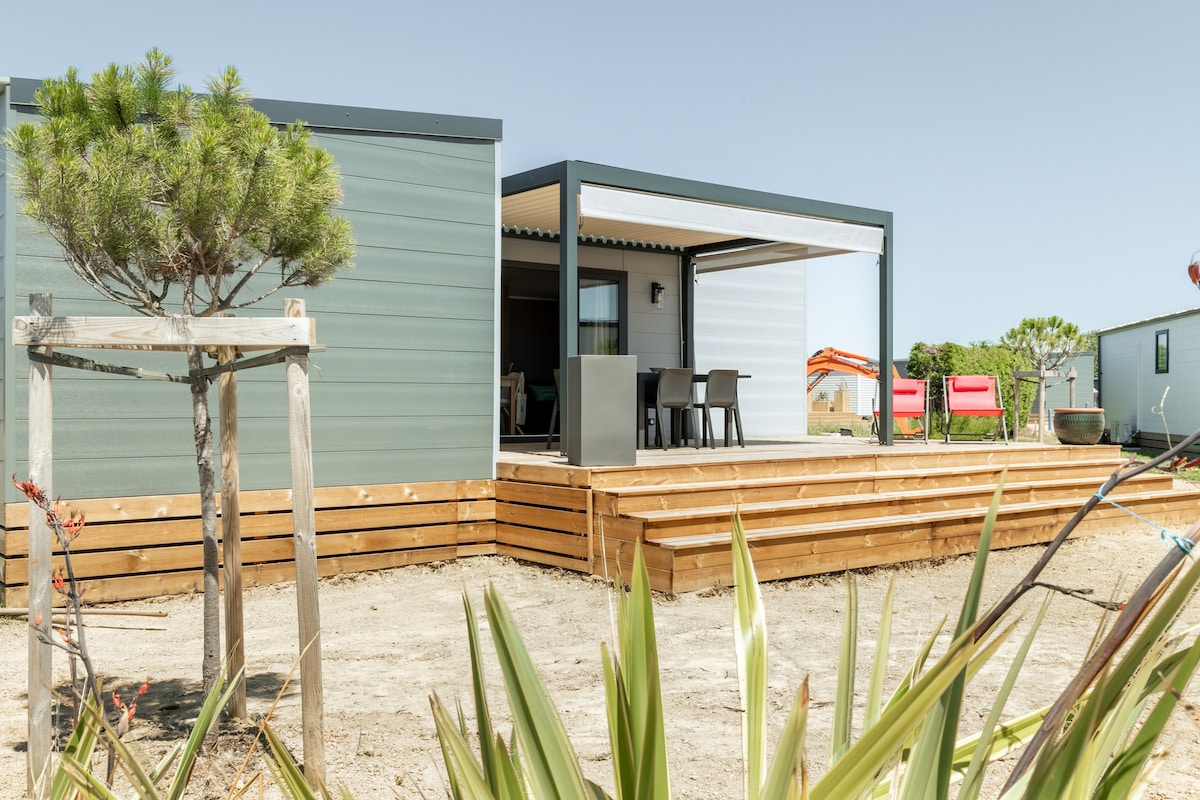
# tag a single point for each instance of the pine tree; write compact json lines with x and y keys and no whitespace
{"x":175,"y":205}
{"x":1048,"y":343}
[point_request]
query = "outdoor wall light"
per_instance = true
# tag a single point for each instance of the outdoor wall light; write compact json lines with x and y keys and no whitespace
{"x":657,"y":293}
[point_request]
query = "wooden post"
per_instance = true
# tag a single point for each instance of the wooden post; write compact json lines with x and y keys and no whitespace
{"x":305,"y":541}
{"x":1041,"y":404}
{"x":231,"y":533}
{"x":41,"y":461}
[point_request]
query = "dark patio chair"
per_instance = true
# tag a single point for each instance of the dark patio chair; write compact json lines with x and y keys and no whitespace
{"x":675,"y":393}
{"x":721,"y":392}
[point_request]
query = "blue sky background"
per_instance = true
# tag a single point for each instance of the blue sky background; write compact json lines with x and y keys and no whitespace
{"x":1040,"y":158}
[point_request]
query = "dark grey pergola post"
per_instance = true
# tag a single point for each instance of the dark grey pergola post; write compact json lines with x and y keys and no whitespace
{"x":568,"y":287}
{"x":886,"y":435}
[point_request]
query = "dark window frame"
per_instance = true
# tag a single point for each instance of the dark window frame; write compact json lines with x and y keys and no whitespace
{"x":1162,"y":352}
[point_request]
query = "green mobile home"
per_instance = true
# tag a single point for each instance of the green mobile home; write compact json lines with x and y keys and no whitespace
{"x":459,"y":277}
{"x":402,"y":393}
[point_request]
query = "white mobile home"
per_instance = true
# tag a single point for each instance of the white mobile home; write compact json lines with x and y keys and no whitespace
{"x":1150,"y":378}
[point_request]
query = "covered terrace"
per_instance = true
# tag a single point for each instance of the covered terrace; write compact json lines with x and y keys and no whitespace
{"x":709,"y":227}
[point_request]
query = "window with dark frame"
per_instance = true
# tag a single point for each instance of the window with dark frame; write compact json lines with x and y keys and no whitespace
{"x":1161,"y":352}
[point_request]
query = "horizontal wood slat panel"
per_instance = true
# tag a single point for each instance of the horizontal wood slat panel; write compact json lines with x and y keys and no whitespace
{"x":535,"y":494}
{"x":804,"y":515}
{"x":358,"y":527}
{"x":119,"y":509}
{"x":540,"y":557}
{"x":135,"y":587}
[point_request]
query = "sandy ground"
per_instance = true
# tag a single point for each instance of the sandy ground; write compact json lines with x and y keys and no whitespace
{"x":394,"y":637}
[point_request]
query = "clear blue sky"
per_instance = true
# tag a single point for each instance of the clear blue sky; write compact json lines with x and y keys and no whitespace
{"x":1040,"y":157}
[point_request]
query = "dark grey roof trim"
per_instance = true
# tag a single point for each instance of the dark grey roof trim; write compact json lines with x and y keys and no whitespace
{"x":617,"y":177}
{"x":316,"y":115}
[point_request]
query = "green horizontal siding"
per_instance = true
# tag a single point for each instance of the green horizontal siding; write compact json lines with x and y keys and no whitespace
{"x":442,"y":269}
{"x":261,"y":394}
{"x":153,"y":438}
{"x":432,"y":333}
{"x":407,"y":160}
{"x":386,"y":365}
{"x":427,"y":235}
{"x":418,"y":300}
{"x":411,"y":200}
{"x":403,"y":390}
{"x":177,"y":475}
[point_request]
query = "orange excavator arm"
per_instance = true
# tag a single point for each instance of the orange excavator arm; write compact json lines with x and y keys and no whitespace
{"x":830,"y":359}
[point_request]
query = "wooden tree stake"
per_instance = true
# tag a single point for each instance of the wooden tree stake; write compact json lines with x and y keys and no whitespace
{"x":231,"y":532}
{"x":41,"y":461}
{"x":305,"y":540}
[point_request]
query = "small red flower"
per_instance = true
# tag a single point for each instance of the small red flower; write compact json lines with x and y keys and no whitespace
{"x":127,"y":711}
{"x":30,"y":490}
{"x":74,"y":524}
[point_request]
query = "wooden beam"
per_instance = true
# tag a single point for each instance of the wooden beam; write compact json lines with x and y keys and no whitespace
{"x":163,"y":333}
{"x":231,"y":535}
{"x":307,"y":603}
{"x":41,"y":462}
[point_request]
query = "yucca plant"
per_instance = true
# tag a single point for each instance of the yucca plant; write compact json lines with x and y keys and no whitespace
{"x":74,"y":778}
{"x":1097,"y":740}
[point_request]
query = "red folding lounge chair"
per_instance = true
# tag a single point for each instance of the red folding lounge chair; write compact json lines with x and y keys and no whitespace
{"x":910,"y":400}
{"x":974,"y":396}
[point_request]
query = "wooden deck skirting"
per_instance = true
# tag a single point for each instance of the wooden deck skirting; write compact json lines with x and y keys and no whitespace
{"x":138,"y":547}
{"x":817,"y":514}
{"x":804,"y":514}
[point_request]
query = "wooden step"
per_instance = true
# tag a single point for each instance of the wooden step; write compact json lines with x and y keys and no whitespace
{"x":629,"y":500}
{"x":683,"y":565}
{"x":665,"y":523}
{"x":869,"y":460}
{"x":876,"y":525}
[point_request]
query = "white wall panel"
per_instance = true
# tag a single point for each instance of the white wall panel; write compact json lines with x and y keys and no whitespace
{"x":1130,"y":389}
{"x":752,"y":320}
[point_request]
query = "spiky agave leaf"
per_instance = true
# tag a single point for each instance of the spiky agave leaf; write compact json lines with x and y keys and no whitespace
{"x":929,"y":772}
{"x":466,"y":776}
{"x":860,"y":767}
{"x":549,"y":758}
{"x":883,"y":642}
{"x":787,"y":778}
{"x":1010,"y":734}
{"x":637,"y":732}
{"x":843,"y":704}
{"x":750,"y":636}
{"x":1054,"y":759}
{"x":78,"y":751}
{"x":286,"y":771}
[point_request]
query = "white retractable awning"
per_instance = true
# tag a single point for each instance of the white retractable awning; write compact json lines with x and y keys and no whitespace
{"x":822,"y":235}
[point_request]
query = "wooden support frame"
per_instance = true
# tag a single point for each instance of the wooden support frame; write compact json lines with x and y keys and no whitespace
{"x":294,"y":336}
{"x":41,"y":652}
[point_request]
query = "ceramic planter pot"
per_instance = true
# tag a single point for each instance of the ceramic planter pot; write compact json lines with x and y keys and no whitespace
{"x":1079,"y":425}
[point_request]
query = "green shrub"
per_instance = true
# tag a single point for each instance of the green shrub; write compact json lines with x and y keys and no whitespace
{"x":932,"y":362}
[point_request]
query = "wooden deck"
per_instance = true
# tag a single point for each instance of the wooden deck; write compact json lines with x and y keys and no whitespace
{"x":810,"y":506}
